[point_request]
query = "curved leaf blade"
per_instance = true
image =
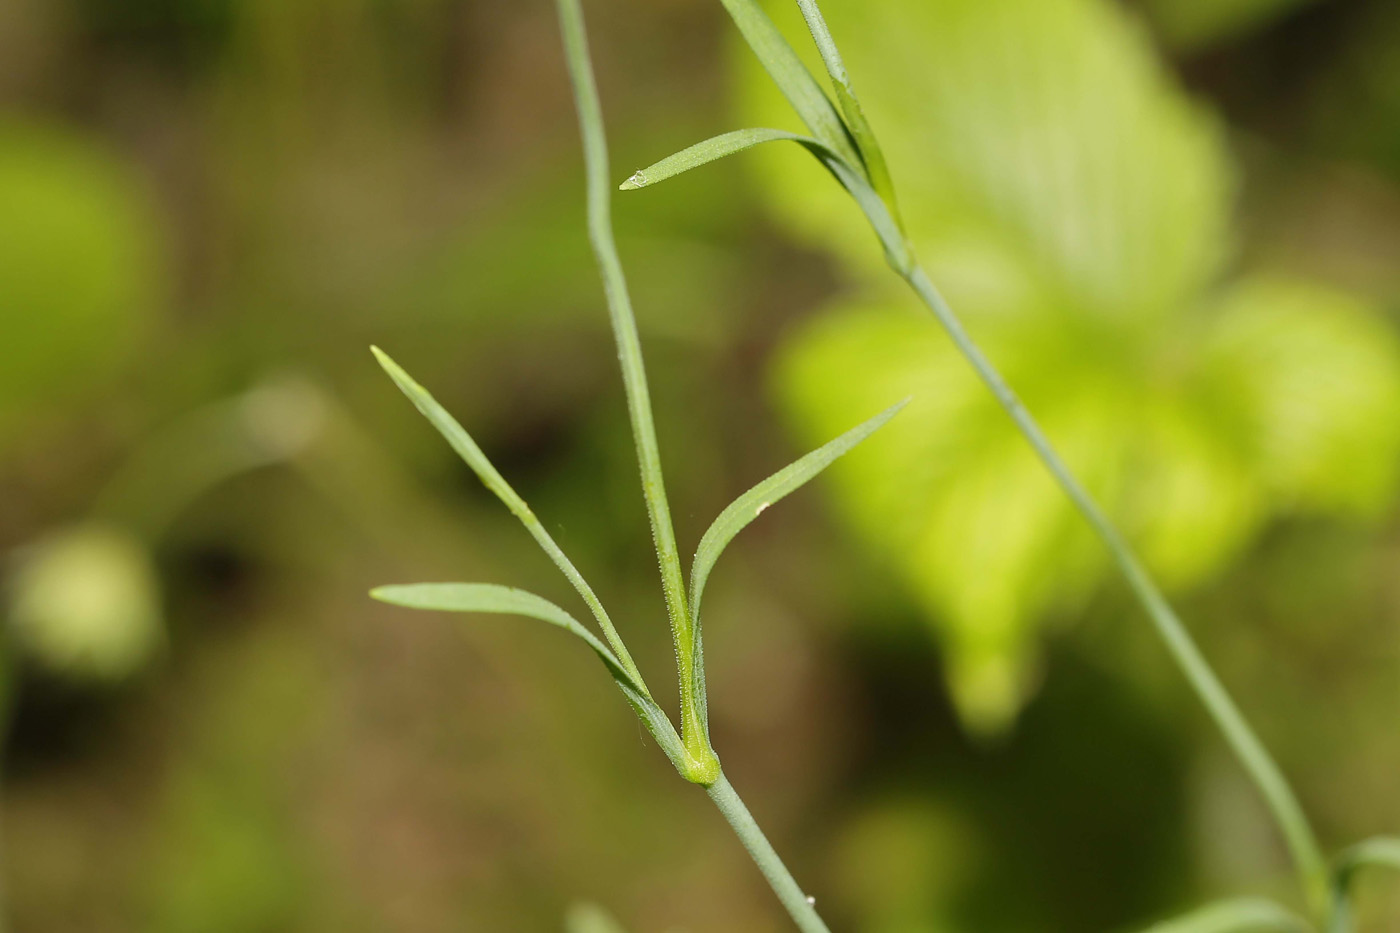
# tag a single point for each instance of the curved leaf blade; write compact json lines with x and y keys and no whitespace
{"x":876,"y":168}
{"x":505,"y":600}
{"x":716,"y":148}
{"x":489,"y":597}
{"x":743,"y":510}
{"x":1380,"y":852}
{"x":1242,"y":915}
{"x":853,"y":179}
{"x":466,"y":448}
{"x":792,"y":77}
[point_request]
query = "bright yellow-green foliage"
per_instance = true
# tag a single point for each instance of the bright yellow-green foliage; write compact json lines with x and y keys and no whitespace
{"x":79,"y":267}
{"x":1075,"y":206}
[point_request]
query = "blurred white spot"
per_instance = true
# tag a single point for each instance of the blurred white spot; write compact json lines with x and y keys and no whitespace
{"x":284,"y":417}
{"x":85,"y":603}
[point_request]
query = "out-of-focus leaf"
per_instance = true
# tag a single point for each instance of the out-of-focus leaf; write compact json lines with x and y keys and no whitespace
{"x":1194,"y":500}
{"x":85,"y":603}
{"x":1193,"y":24}
{"x":951,"y":494}
{"x":1380,"y":852}
{"x":1288,"y":401}
{"x":80,"y":275}
{"x":1311,"y":378}
{"x":1245,"y":915}
{"x":1073,"y":206}
{"x":590,"y":918}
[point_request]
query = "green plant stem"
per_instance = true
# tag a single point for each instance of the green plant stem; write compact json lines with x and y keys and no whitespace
{"x":1298,"y":834}
{"x":705,"y":765}
{"x":802,"y":908}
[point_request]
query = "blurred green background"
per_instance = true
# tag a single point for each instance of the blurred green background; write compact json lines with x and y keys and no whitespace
{"x":1175,"y":223}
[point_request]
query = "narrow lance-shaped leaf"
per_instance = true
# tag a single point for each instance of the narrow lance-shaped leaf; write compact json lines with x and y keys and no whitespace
{"x":467,"y":449}
{"x":743,"y":510}
{"x":752,"y":504}
{"x":874,"y":157}
{"x":505,"y":600}
{"x":853,"y":179}
{"x":1380,"y":852}
{"x":716,"y":148}
{"x":1244,"y":915}
{"x":792,"y":77}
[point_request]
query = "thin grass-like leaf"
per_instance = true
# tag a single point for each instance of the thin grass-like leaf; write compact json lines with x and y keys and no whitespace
{"x":754,"y":503}
{"x":1243,"y":915}
{"x":467,"y":449}
{"x":505,"y":600}
{"x":716,"y":148}
{"x":798,"y":85}
{"x":1380,"y":852}
{"x":877,"y":170}
{"x":743,"y":510}
{"x":852,"y":178}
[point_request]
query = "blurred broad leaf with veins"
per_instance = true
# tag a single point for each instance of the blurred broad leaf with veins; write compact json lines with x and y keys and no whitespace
{"x":1074,"y":205}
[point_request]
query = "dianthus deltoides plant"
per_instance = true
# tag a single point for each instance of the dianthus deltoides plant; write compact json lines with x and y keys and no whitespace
{"x":842,"y":140}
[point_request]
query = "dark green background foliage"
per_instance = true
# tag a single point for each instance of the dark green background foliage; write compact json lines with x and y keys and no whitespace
{"x":1174,"y":223}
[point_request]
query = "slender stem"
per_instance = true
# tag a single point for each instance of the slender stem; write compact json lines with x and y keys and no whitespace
{"x":801,"y":907}
{"x":629,"y":351}
{"x":1297,"y":832}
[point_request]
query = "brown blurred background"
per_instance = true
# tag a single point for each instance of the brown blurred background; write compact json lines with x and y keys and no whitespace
{"x":932,"y":694}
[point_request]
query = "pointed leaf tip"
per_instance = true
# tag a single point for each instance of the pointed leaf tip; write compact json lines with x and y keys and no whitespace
{"x":505,"y":600}
{"x":743,"y":510}
{"x":727,"y":144}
